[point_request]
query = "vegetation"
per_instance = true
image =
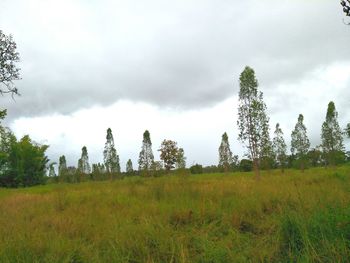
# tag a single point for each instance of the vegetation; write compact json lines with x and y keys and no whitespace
{"x":332,"y":136}
{"x":129,"y":169}
{"x":146,"y":157}
{"x":23,"y":162}
{"x":300,"y":142}
{"x":171,"y":155}
{"x":279,"y":148}
{"x":204,"y":218}
{"x":83,"y":163}
{"x":8,"y":69}
{"x":225,"y":154}
{"x":253,"y":122}
{"x":110,"y":156}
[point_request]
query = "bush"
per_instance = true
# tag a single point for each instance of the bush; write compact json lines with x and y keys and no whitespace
{"x":246,"y":165}
{"x":196,"y":169}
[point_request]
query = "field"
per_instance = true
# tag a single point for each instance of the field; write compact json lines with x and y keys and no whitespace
{"x":296,"y":217}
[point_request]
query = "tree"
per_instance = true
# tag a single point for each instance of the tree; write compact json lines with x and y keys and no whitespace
{"x":62,"y":165}
{"x":180,"y":159}
{"x":347,"y":130}
{"x":279,"y":147}
{"x":331,"y":135}
{"x":110,"y":157}
{"x":168,"y":153}
{"x":26,"y":164}
{"x":83,"y":163}
{"x":7,"y":140}
{"x":98,"y":170}
{"x":196,"y":169}
{"x":52,"y":172}
{"x":146,"y":157}
{"x":157,"y":166}
{"x":346,"y":7}
{"x":266,"y":149}
{"x":300,"y":143}
{"x":8,"y":59}
{"x":129,"y":168}
{"x":225,"y":154}
{"x":252,"y":118}
{"x":315,"y":156}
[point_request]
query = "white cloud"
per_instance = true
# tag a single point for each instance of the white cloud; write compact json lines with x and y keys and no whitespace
{"x":197,"y":131}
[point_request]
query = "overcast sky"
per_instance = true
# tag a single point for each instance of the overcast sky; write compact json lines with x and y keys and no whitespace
{"x":171,"y":67}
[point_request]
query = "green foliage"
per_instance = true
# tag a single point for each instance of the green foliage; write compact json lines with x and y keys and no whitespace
{"x":52,"y":172}
{"x":146,"y":157}
{"x":129,"y":168}
{"x":246,"y":165}
{"x":62,"y":165}
{"x":300,"y":142}
{"x":110,"y":157}
{"x":98,"y":171}
{"x":315,"y":156}
{"x":25,"y":163}
{"x":180,"y":159}
{"x":332,"y":137}
{"x":169,"y":154}
{"x":8,"y":69}
{"x":225,"y":154}
{"x":347,"y":130}
{"x":83,"y":163}
{"x":279,"y":147}
{"x":253,"y":122}
{"x":196,"y":169}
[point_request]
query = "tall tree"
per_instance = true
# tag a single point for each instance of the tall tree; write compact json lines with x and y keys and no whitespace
{"x":83,"y":163}
{"x":62,"y":165}
{"x":300,"y":142}
{"x":52,"y":172}
{"x":8,"y":69}
{"x":146,"y":157}
{"x":110,"y":157}
{"x":279,"y":147}
{"x":225,"y":154}
{"x":252,"y":118}
{"x":347,"y":130}
{"x":331,"y":135}
{"x":266,"y":149}
{"x":129,"y":167}
{"x":180,"y":159}
{"x":168,"y":153}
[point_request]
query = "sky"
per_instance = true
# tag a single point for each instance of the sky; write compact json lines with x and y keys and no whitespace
{"x":171,"y":67}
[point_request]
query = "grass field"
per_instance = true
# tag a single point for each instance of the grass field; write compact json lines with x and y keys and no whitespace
{"x":297,"y":217}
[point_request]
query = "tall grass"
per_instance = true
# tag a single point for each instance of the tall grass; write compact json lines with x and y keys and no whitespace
{"x":295,"y":217}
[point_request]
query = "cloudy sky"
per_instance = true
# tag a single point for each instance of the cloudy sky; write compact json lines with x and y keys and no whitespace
{"x":171,"y":67}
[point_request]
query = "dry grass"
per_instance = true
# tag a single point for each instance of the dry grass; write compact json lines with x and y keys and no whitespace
{"x":203,"y":218}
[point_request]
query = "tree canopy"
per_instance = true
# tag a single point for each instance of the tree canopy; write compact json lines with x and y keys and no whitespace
{"x":300,"y":143}
{"x":8,"y":68}
{"x":252,"y":118}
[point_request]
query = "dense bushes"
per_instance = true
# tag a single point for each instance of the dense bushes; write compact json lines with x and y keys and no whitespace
{"x":23,"y":162}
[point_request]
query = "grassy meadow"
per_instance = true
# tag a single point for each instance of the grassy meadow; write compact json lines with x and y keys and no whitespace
{"x":295,"y":217}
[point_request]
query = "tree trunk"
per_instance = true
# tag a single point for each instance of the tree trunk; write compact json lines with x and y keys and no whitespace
{"x":256,"y":169}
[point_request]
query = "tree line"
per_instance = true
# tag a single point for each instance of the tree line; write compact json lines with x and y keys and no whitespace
{"x":171,"y":157}
{"x":24,"y":162}
{"x":253,"y":124}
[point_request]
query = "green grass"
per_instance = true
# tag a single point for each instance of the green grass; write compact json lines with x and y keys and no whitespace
{"x":297,"y":217}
